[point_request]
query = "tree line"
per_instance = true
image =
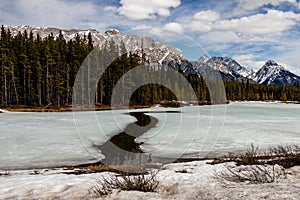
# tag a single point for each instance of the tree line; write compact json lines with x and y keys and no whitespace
{"x":41,"y":72}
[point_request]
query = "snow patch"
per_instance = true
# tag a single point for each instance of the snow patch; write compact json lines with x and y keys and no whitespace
{"x":193,"y":180}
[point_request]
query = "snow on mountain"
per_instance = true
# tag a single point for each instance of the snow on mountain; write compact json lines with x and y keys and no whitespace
{"x":228,"y":67}
{"x":69,"y":34}
{"x":153,"y":52}
{"x":274,"y":74}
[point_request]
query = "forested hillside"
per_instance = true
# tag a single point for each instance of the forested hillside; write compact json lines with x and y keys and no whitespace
{"x":38,"y":72}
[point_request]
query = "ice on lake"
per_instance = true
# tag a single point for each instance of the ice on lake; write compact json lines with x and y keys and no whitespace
{"x":224,"y":128}
{"x":30,"y":140}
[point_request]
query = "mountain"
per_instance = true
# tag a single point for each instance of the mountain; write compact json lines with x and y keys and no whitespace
{"x":153,"y":52}
{"x":274,"y":74}
{"x":158,"y":54}
{"x":229,"y":68}
{"x":68,"y":33}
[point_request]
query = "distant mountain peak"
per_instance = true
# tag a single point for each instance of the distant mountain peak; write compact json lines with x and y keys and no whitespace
{"x":229,"y":68}
{"x":112,"y":32}
{"x":273,"y":73}
{"x":271,"y":63}
{"x":273,"y":66}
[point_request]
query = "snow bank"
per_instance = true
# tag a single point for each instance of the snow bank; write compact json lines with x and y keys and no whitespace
{"x":180,"y":181}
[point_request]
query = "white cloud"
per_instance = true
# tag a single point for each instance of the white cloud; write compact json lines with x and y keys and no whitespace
{"x":249,"y":5}
{"x":272,"y":22}
{"x":208,"y":16}
{"x":202,"y":21}
{"x":146,"y":9}
{"x":217,"y":37}
{"x":173,"y":26}
{"x":141,"y":26}
{"x":164,"y":34}
{"x":110,"y":8}
{"x":56,"y":13}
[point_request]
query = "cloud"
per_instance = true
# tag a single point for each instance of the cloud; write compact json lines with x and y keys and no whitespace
{"x":208,"y":16}
{"x":110,"y":8}
{"x":56,"y":13}
{"x":274,"y":21}
{"x":202,"y":21}
{"x":271,"y":22}
{"x":146,"y":9}
{"x":216,"y":37}
{"x":173,"y":26}
{"x":249,"y":5}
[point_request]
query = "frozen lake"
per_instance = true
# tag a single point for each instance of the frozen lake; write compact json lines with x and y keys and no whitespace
{"x":30,"y":140}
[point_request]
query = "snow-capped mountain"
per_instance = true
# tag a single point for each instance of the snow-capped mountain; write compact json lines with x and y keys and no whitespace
{"x":153,"y":52}
{"x":274,"y":74}
{"x":229,"y":68}
{"x":68,"y":33}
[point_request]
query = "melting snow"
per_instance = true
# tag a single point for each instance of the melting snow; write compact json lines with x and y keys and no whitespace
{"x":194,"y":180}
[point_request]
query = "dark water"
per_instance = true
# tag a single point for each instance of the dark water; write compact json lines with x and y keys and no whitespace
{"x":122,"y":149}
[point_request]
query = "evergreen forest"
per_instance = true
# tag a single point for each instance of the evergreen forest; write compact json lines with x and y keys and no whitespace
{"x":36,"y":72}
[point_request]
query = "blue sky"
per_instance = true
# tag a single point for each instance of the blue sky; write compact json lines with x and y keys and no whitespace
{"x":251,"y":31}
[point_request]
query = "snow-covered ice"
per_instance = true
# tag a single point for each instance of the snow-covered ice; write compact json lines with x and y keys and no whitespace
{"x":212,"y":130}
{"x":35,"y":140}
{"x":197,"y":182}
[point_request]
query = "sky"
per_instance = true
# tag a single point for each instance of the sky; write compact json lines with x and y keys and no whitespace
{"x":250,"y":31}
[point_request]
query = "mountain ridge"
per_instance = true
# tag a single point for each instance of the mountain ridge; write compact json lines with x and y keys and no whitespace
{"x":157,"y":53}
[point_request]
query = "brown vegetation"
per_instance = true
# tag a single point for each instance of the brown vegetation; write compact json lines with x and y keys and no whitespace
{"x":252,"y":167}
{"x":144,"y":182}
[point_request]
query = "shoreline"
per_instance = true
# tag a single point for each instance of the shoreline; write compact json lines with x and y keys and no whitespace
{"x":170,"y":104}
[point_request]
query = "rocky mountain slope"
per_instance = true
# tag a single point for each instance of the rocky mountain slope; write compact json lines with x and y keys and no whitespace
{"x":229,"y":68}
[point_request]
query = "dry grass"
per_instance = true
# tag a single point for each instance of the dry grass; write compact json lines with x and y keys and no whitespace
{"x":286,"y":156}
{"x":144,"y":182}
{"x":120,"y":169}
{"x":252,"y":167}
{"x":252,"y":174}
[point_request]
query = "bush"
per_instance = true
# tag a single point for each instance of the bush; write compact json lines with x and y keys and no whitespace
{"x":257,"y":168}
{"x":144,"y":182}
{"x":253,"y":174}
{"x":286,"y":156}
{"x":248,"y":158}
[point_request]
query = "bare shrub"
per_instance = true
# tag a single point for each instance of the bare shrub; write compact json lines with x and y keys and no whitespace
{"x":253,"y":174}
{"x":144,"y":182}
{"x":287,"y":156}
{"x":250,"y":157}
